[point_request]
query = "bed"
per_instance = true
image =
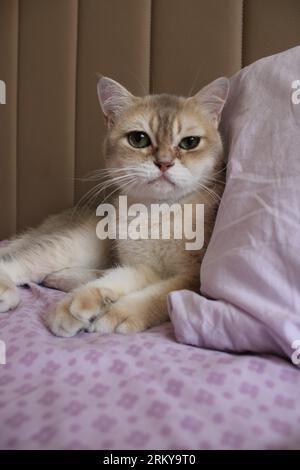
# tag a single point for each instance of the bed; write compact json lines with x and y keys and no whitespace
{"x":141,"y":391}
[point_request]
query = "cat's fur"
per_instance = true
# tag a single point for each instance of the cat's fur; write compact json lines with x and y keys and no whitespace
{"x":64,"y":251}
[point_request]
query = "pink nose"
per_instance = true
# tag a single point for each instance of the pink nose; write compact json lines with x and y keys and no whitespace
{"x":163,"y":166}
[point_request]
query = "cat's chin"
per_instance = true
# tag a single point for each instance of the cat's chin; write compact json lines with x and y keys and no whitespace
{"x":155,"y":194}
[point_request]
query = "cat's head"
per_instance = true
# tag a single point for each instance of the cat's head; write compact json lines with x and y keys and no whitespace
{"x":162,"y":147}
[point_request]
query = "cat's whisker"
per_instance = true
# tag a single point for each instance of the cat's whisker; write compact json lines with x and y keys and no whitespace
{"x":104,"y":172}
{"x":106,"y":185}
{"x":85,"y":197}
{"x":213,"y":180}
{"x":119,"y":188}
{"x":212,"y":193}
{"x":79,"y":204}
{"x":220,"y":171}
{"x":88,"y":197}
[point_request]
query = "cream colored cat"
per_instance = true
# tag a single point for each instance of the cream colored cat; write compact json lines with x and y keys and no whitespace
{"x":159,"y":148}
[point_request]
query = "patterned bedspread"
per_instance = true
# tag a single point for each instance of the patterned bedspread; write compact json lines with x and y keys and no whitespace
{"x":142,"y":391}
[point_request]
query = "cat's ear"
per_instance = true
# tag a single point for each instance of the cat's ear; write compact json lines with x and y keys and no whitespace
{"x":113,"y":97}
{"x":212,"y":99}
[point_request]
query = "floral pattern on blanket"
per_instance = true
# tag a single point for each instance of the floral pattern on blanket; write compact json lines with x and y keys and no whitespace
{"x":142,"y":391}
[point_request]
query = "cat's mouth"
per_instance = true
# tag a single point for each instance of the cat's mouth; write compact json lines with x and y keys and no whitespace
{"x":162,"y":177}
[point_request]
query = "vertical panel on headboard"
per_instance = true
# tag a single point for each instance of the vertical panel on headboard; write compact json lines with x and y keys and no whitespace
{"x":194,"y":42}
{"x":8,"y":115}
{"x":46,"y":108}
{"x":270,"y":26}
{"x":113,"y":40}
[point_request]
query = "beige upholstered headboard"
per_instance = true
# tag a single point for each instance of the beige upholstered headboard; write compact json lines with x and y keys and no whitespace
{"x":50,"y":51}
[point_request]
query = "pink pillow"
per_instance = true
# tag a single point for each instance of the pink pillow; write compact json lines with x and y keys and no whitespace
{"x":252,"y":265}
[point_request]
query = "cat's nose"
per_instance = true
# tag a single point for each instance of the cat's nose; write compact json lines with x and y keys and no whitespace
{"x":164,"y":166}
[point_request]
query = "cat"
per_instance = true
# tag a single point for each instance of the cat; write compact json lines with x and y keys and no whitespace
{"x":158,"y":148}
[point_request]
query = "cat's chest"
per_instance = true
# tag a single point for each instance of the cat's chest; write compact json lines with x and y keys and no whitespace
{"x":156,"y":238}
{"x":163,"y":255}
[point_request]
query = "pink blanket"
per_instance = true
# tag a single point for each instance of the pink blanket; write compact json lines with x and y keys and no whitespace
{"x":142,"y":391}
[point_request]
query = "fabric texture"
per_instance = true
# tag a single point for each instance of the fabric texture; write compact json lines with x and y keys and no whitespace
{"x":141,"y":391}
{"x":252,"y":266}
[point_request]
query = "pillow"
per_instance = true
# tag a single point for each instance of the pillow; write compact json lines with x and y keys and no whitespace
{"x":250,"y":276}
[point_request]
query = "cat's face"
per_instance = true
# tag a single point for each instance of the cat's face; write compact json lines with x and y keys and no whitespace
{"x":162,"y":147}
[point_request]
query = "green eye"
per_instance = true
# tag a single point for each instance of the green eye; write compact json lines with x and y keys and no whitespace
{"x":189,"y":143}
{"x":139,"y":140}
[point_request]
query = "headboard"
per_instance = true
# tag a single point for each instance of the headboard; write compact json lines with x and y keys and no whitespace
{"x":51,"y":126}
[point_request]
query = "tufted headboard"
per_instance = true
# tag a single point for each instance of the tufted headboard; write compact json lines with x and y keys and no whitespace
{"x":51,"y":126}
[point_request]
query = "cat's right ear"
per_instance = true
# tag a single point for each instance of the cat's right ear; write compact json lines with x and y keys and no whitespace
{"x":212,"y":99}
{"x":113,"y":97}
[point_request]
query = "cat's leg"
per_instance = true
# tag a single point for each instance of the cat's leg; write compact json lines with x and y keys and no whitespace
{"x":60,"y":242}
{"x":9,"y":295}
{"x":80,"y":309}
{"x":69,"y":279}
{"x":143,"y":309}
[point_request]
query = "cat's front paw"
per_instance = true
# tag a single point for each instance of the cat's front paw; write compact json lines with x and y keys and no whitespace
{"x":123,"y":317}
{"x":79,"y":311}
{"x":9,"y":296}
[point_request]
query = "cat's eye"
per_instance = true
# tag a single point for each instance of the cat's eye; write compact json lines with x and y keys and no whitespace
{"x":138,"y":139}
{"x":189,"y":143}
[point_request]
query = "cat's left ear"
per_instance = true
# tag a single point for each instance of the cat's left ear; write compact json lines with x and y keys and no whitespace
{"x":113,"y":97}
{"x":212,"y":99}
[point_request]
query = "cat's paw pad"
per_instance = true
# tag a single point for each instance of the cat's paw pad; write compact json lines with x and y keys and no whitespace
{"x":120,"y":318}
{"x":60,"y":321}
{"x":78,"y":311}
{"x":88,"y":303}
{"x":9,"y":296}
